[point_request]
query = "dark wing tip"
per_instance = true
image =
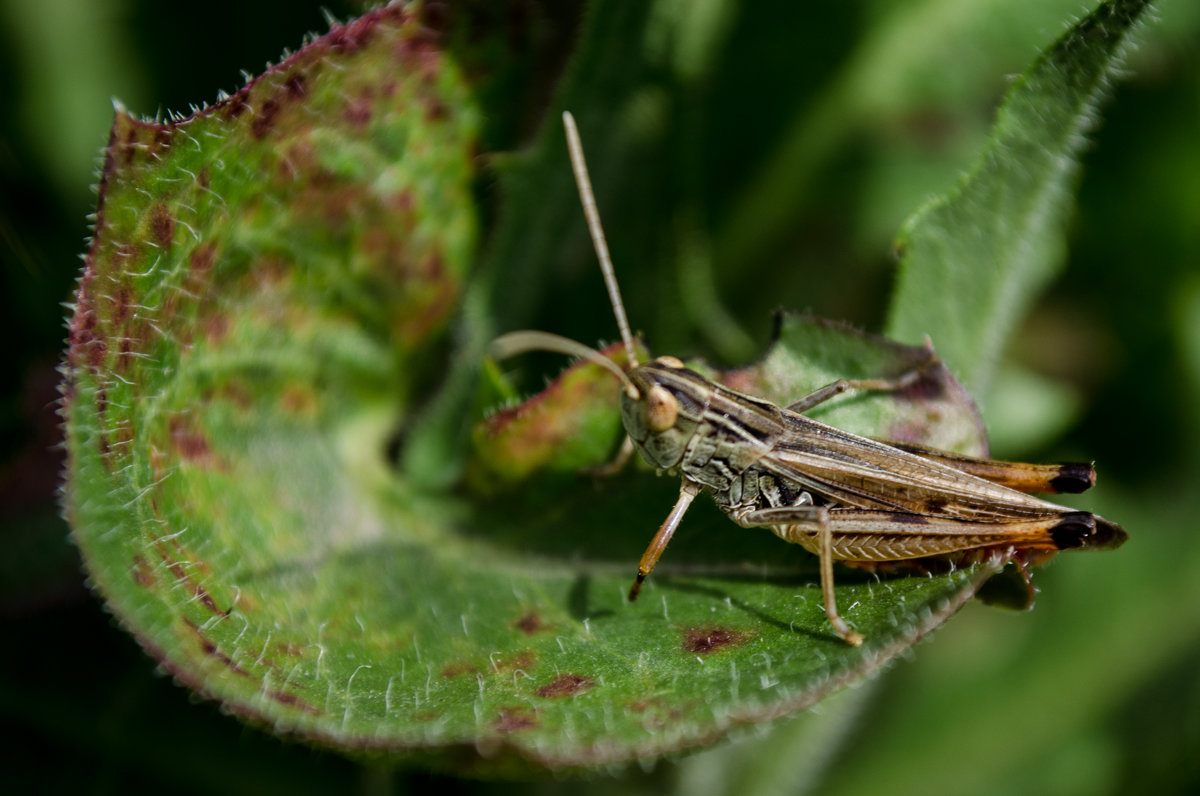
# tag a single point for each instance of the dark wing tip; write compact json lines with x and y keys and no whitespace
{"x":1073,"y":477}
{"x":1083,"y":529}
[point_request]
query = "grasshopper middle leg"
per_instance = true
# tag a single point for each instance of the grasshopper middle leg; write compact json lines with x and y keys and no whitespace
{"x":905,"y":379}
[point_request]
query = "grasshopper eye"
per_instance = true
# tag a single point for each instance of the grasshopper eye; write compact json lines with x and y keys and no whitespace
{"x":661,"y":409}
{"x":670,"y":362}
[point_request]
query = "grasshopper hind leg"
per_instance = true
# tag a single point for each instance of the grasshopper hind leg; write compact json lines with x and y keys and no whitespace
{"x":831,"y":613}
{"x":803,"y":519}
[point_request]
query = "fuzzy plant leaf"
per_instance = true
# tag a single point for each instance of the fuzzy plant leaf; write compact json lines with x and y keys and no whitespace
{"x":973,"y":260}
{"x":262,"y":319}
{"x":254,"y":326}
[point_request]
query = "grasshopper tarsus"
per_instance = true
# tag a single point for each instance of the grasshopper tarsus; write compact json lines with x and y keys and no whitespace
{"x":636,"y":588}
{"x":687,"y":493}
{"x":854,"y":639}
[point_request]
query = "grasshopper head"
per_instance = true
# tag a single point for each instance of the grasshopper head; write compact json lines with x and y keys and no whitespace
{"x":662,"y":414}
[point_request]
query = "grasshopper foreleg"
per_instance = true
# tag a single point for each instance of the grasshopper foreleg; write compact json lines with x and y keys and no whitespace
{"x":687,"y":493}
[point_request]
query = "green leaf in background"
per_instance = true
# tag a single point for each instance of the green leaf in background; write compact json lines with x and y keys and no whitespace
{"x":972,"y":261}
{"x":260,"y":327}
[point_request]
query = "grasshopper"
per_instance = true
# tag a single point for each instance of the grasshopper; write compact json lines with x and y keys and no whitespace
{"x":838,"y":495}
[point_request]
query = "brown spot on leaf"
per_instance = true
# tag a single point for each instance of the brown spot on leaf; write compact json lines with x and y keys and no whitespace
{"x":128,"y":255}
{"x":513,"y":719}
{"x":296,"y":86}
{"x":143,"y":573}
{"x":209,"y":647}
{"x":235,"y":393}
{"x":162,"y":225}
{"x":435,"y":109}
{"x":208,"y":602}
{"x":289,"y":649}
{"x":358,"y":111}
{"x":216,"y":327}
{"x":653,"y":705}
{"x":530,"y":623}
{"x":565,"y":685}
{"x":452,"y":670}
{"x":440,"y":293}
{"x":122,"y":301}
{"x":298,"y":400}
{"x":159,"y":464}
{"x":125,"y":354}
{"x":169,"y":308}
{"x":235,"y":106}
{"x":189,"y":444}
{"x":418,"y":54}
{"x":404,"y":203}
{"x":201,"y":260}
{"x":129,"y":143}
{"x":656,"y":712}
{"x":264,"y":118}
{"x":244,"y":603}
{"x":160,"y":141}
{"x":704,"y":640}
{"x":524,"y":659}
{"x":291,"y":700}
{"x":185,"y":579}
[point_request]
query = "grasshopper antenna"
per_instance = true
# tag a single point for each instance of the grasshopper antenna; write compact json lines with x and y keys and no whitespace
{"x":513,"y":343}
{"x":588,"y":199}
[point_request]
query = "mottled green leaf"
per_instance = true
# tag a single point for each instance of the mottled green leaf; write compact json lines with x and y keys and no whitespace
{"x":267,"y":279}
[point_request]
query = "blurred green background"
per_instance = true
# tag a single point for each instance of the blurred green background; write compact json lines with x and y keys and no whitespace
{"x":792,"y":141}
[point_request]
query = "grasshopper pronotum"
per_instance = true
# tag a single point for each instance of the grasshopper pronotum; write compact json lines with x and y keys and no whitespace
{"x":838,"y":495}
